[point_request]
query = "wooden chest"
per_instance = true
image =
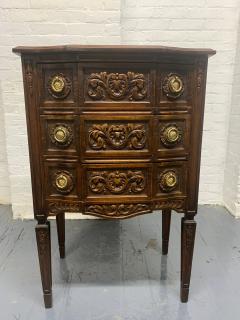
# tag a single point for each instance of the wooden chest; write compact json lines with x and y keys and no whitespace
{"x":114,"y":131}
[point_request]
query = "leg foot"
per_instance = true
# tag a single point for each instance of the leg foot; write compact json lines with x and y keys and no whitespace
{"x":44,"y":253}
{"x":166,"y":222}
{"x":188,"y":230}
{"x":60,"y":219}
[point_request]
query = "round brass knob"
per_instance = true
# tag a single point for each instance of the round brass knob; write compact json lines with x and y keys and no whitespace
{"x":63,"y":181}
{"x":171,"y":135}
{"x":61,"y":134}
{"x":168,"y":180}
{"x":57,"y":84}
{"x":173,"y":86}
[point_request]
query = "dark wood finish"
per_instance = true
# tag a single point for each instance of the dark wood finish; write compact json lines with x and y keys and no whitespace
{"x":166,"y":222}
{"x":188,"y":230}
{"x":44,"y":253}
{"x":60,"y":220}
{"x":114,"y":132}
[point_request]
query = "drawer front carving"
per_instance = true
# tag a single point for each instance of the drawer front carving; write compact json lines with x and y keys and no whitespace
{"x":117,"y":136}
{"x":104,"y":85}
{"x":173,"y":135}
{"x":60,"y":134}
{"x":120,"y":180}
{"x":171,"y":178}
{"x":107,"y":86}
{"x":58,"y":87}
{"x":118,"y":210}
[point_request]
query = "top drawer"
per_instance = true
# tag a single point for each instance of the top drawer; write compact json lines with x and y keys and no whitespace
{"x":116,"y":86}
{"x":96,"y":86}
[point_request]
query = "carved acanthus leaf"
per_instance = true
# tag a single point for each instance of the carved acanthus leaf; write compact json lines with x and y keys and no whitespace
{"x":117,"y":86}
{"x":118,"y":210}
{"x":117,"y":136}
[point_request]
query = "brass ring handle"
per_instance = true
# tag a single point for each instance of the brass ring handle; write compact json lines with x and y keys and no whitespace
{"x":62,"y":181}
{"x":175,"y":84}
{"x":61,"y":134}
{"x":57,"y":84}
{"x":168,"y":180}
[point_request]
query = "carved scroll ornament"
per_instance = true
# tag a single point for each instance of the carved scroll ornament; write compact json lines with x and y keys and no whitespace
{"x":117,"y":86}
{"x":118,"y":210}
{"x":117,"y":136}
{"x":117,"y":182}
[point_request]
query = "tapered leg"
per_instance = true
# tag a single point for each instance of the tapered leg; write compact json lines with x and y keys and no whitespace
{"x":188,"y":231}
{"x":60,"y":219}
{"x":44,"y":253}
{"x":166,"y":222}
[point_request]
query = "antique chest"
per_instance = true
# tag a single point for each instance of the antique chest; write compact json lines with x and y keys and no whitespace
{"x":114,"y":131}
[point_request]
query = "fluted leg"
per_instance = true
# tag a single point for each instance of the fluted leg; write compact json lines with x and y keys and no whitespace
{"x":166,"y":222}
{"x":60,"y":219}
{"x":188,"y":230}
{"x":43,"y":236}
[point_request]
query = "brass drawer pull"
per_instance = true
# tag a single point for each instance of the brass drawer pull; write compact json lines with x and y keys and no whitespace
{"x":171,"y":135}
{"x":59,"y":86}
{"x":173,"y":86}
{"x":168,"y":180}
{"x":63,"y":181}
{"x":61,"y":135}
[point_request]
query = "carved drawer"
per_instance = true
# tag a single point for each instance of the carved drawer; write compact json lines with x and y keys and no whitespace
{"x":60,"y":134}
{"x":105,"y":136}
{"x":114,"y":182}
{"x":170,"y":179}
{"x":172,"y":135}
{"x":59,"y":85}
{"x":115,"y":86}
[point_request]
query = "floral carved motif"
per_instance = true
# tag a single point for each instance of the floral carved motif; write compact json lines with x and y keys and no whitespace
{"x":200,"y":73}
{"x":117,"y":182}
{"x":63,"y":206}
{"x":117,"y":136}
{"x":117,"y":86}
{"x":169,"y":204}
{"x":42,"y":236}
{"x":190,"y":233}
{"x":29,"y":76}
{"x":118,"y":210}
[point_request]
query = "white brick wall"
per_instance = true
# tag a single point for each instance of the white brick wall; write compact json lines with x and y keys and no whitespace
{"x":195,"y":24}
{"x":231,"y":190}
{"x":187,"y":23}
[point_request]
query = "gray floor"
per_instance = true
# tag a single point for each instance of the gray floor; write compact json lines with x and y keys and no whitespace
{"x":114,"y":270}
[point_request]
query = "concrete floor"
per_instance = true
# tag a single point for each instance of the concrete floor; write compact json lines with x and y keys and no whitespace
{"x":114,"y":270}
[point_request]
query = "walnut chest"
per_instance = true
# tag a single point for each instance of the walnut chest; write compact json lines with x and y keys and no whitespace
{"x":114,"y":132}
